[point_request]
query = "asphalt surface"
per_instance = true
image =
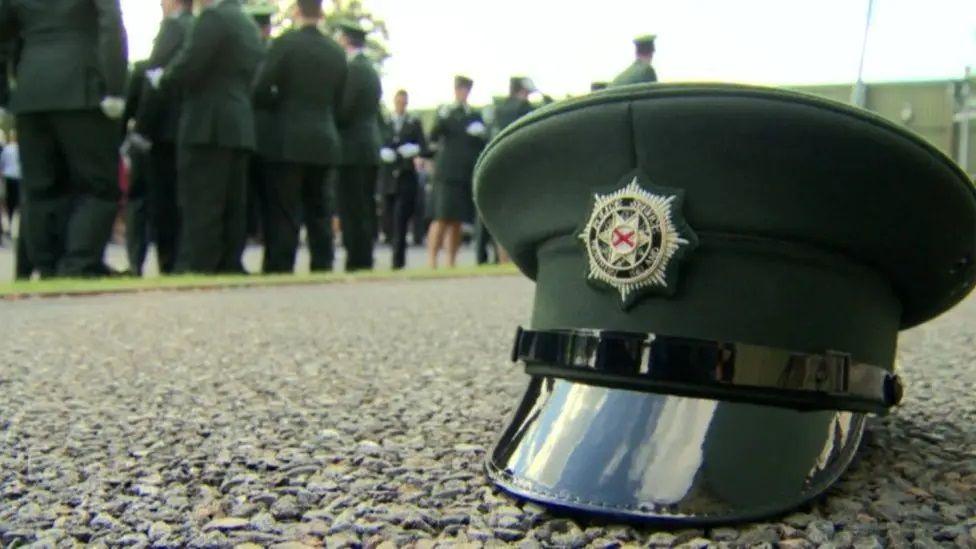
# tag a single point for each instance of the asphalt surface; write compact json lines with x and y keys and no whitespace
{"x":360,"y":414}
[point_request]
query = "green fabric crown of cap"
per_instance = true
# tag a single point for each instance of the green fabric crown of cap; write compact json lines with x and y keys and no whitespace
{"x":818,"y":226}
{"x":645,"y":39}
{"x":521,"y":83}
{"x":351,"y":27}
{"x":463,"y":81}
{"x":260,"y":9}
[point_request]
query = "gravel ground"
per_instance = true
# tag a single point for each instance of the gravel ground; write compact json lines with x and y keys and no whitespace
{"x":360,"y":414}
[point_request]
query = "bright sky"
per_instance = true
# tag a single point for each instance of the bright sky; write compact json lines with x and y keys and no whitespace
{"x":566,"y":45}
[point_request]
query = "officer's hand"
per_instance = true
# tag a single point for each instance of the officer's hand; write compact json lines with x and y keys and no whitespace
{"x":408,"y":150}
{"x":476,"y":129}
{"x":113,"y":107}
{"x":140,"y":142}
{"x":388,"y":155}
{"x":444,"y":111}
{"x":154,"y":76}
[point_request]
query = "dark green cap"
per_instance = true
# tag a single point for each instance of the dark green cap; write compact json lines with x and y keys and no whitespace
{"x":261,"y":12}
{"x":519,"y":83}
{"x":597,"y":86}
{"x":352,"y":28}
{"x":645,"y":39}
{"x":721,"y":273}
{"x":461,"y":81}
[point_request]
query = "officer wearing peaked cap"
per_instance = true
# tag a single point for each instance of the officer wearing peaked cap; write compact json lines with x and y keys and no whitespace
{"x":301,"y":106}
{"x":216,"y":134}
{"x":459,"y":134}
{"x":359,"y":128}
{"x":157,"y":120}
{"x":266,"y":139}
{"x":640,"y":71}
{"x":515,"y":106}
{"x":717,"y":300}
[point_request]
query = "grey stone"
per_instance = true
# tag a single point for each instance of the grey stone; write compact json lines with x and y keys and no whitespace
{"x":226,"y":524}
{"x":286,"y":508}
{"x":159,"y":530}
{"x":820,"y":531}
{"x":868,"y":543}
{"x":661,"y":539}
{"x":724,"y":534}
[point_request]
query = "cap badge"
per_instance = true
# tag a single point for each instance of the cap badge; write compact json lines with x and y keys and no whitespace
{"x":634,"y":239}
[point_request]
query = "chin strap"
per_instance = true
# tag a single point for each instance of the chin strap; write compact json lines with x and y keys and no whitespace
{"x":709,"y":369}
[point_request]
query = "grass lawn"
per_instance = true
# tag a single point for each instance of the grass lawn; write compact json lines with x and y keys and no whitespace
{"x":57,"y":287}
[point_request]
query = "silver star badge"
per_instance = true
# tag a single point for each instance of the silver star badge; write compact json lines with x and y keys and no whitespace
{"x":633,"y":239}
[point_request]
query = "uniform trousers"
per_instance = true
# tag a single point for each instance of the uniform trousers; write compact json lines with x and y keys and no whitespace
{"x":211,"y":195}
{"x":295,"y":195}
{"x":71,"y":189}
{"x":357,"y":214}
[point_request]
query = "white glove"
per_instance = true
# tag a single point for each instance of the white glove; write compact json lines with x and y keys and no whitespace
{"x":388,"y":155}
{"x":113,"y":107}
{"x":140,"y":142}
{"x":409,"y":150}
{"x":476,"y":129}
{"x":154,"y":76}
{"x":444,"y":111}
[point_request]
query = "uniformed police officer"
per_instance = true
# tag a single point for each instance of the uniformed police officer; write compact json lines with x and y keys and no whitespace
{"x":261,"y":12}
{"x":304,"y":142}
{"x":136,"y":151}
{"x":515,"y":106}
{"x":214,"y":71}
{"x":401,"y":151}
{"x":459,"y":134}
{"x":158,"y":121}
{"x":68,"y":102}
{"x":359,"y":116}
{"x":640,"y":71}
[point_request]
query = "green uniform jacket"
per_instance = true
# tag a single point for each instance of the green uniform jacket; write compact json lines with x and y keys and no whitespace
{"x":457,"y":150}
{"x":73,"y":56}
{"x":511,"y":110}
{"x":359,"y":114}
{"x":300,"y":86}
{"x":638,"y":73}
{"x":214,"y":71}
{"x":159,"y":110}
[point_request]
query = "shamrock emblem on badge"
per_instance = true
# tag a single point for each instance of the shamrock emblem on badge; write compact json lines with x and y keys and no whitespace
{"x":633,"y":239}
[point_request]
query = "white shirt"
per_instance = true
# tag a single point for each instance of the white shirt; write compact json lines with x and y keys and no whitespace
{"x":10,"y":161}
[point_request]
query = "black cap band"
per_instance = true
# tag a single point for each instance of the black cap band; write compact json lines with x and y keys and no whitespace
{"x":709,"y":369}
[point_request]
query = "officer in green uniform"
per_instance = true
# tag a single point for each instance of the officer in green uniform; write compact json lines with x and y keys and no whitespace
{"x":261,"y":12}
{"x":641,"y":70}
{"x":302,"y":105}
{"x":720,"y":274}
{"x":136,"y":151}
{"x":214,"y":72}
{"x":459,"y":134}
{"x":157,"y":121}
{"x":515,"y":106}
{"x":68,"y":101}
{"x":359,"y":116}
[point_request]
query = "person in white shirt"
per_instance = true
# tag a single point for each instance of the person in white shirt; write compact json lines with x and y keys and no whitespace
{"x":10,"y":170}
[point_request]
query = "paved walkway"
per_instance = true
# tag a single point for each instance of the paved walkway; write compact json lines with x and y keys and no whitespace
{"x":360,"y":413}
